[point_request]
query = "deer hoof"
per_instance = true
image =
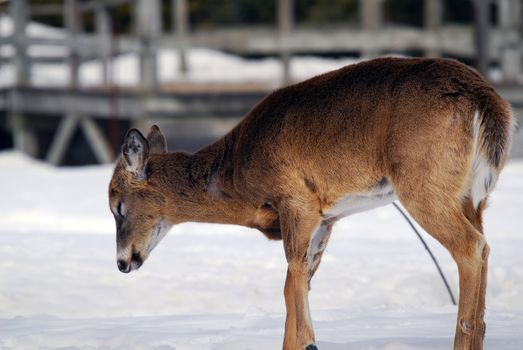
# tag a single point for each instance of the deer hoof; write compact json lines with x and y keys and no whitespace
{"x":311,"y":347}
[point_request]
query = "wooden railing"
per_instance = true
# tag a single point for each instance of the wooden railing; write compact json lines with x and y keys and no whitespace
{"x":481,"y":42}
{"x":501,"y":44}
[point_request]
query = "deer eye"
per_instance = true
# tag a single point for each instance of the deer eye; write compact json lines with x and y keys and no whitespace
{"x":120,"y":210}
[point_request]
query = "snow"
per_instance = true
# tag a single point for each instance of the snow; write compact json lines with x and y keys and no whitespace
{"x":220,"y":287}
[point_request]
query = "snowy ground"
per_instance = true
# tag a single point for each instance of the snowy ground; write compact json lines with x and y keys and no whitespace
{"x":220,"y":287}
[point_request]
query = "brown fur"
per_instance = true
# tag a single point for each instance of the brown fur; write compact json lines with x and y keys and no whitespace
{"x":303,"y":147}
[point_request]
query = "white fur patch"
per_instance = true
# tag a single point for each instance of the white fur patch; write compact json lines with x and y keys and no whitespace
{"x":484,"y":176}
{"x":347,"y":205}
{"x":317,"y":245}
{"x":159,"y":232}
{"x":358,"y":202}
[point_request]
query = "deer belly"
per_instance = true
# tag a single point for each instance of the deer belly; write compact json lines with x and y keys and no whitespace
{"x":358,"y":202}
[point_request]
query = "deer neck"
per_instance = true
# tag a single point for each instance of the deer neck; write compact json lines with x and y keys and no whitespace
{"x":200,"y":186}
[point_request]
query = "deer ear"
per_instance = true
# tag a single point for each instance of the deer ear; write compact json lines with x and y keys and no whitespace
{"x":135,"y":150}
{"x":157,"y":143}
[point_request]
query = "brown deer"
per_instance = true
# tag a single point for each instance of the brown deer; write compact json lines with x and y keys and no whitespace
{"x":429,"y":132}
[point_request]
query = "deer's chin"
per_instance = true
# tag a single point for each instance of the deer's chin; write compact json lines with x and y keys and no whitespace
{"x":135,"y":265}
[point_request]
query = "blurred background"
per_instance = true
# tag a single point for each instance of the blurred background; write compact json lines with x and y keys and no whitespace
{"x":76,"y":74}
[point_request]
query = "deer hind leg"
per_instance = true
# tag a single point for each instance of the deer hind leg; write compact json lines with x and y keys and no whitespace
{"x":297,"y":232}
{"x":474,"y":216}
{"x":444,"y":218}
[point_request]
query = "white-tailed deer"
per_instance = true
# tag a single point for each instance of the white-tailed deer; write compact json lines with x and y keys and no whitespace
{"x":429,"y":132}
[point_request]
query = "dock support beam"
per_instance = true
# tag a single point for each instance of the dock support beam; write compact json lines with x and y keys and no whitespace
{"x":371,"y":19}
{"x":433,"y":19}
{"x":73,"y":24}
{"x":482,"y":35}
{"x":181,"y":29}
{"x":103,"y":26}
{"x":19,"y":12}
{"x":509,"y":19}
{"x":285,"y":24}
{"x":24,"y":138}
{"x":93,"y":133}
{"x":148,"y":29}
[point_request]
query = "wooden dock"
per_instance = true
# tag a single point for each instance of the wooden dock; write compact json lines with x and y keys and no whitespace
{"x":77,"y":108}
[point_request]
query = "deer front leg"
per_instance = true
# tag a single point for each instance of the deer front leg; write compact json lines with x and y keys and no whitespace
{"x":289,"y":340}
{"x":297,"y":230}
{"x":299,"y":334}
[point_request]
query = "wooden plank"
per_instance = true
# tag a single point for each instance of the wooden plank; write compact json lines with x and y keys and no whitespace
{"x":24,"y":137}
{"x":432,"y":14}
{"x":46,"y":10}
{"x":104,"y":31}
{"x":93,"y":4}
{"x":181,"y":30}
{"x":285,"y":25}
{"x":87,"y":46}
{"x":19,"y":12}
{"x":41,"y":59}
{"x":482,"y":34}
{"x":186,"y":103}
{"x":455,"y":39}
{"x":62,"y":138}
{"x":371,"y":14}
{"x":451,"y":39}
{"x":148,"y":19}
{"x":432,"y":20}
{"x":73,"y":24}
{"x":371,"y":20}
{"x":148,"y":29}
{"x":131,"y":105}
{"x":509,"y":19}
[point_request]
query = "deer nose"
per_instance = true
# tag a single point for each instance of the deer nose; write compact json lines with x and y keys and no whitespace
{"x":123,"y":266}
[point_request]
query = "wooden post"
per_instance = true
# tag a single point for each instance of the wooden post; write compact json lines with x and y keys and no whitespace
{"x":181,"y":27}
{"x":285,"y":24}
{"x":73,"y":24}
{"x":24,"y":138}
{"x":482,"y":35}
{"x":19,"y":11}
{"x":103,"y":30}
{"x":371,"y":18}
{"x":148,"y":29}
{"x":509,"y":19}
{"x":433,"y":18}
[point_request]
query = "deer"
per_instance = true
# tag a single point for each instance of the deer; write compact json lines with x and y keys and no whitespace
{"x":430,"y":133}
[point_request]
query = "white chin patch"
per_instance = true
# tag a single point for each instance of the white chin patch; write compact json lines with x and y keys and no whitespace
{"x":159,"y":232}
